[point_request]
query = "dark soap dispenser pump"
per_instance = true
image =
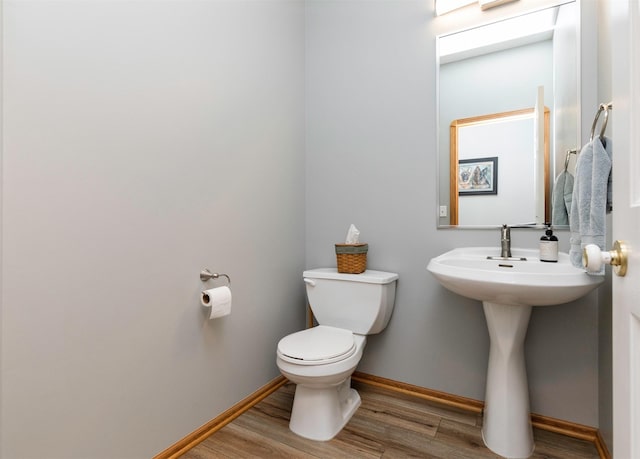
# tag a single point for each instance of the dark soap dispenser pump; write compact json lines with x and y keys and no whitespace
{"x":549,"y":246}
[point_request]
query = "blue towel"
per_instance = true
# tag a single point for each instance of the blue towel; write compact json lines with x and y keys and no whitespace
{"x":609,"y":148}
{"x":562,"y":198}
{"x":590,"y":199}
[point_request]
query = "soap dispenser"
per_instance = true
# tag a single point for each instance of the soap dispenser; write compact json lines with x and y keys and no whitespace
{"x":549,"y":246}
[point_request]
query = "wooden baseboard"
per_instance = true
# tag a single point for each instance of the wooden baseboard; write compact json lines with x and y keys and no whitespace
{"x":573,"y":430}
{"x":602,"y":447}
{"x":464,"y":403}
{"x":569,"y":429}
{"x":199,"y":435}
{"x":566,"y":428}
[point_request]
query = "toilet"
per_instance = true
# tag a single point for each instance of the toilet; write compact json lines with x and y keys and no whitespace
{"x":321,"y":360}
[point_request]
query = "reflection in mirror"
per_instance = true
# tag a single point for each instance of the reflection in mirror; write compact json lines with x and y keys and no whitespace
{"x":479,"y":76}
{"x":482,"y":193}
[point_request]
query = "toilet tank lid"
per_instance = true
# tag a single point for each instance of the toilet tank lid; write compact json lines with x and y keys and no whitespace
{"x":370,"y":276}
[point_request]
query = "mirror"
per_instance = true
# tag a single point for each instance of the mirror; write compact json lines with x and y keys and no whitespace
{"x":499,"y":68}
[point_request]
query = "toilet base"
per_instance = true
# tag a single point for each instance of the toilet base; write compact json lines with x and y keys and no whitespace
{"x":320,"y":413}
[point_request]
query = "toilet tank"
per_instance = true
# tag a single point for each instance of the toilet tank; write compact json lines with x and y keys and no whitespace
{"x":362,"y":303}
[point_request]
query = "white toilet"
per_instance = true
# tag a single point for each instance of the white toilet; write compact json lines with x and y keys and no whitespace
{"x":320,"y":360}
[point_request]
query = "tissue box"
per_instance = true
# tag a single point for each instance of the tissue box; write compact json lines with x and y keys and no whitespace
{"x":352,"y":258}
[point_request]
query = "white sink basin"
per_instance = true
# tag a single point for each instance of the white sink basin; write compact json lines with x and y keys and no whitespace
{"x":468,"y":272}
{"x":508,"y":288}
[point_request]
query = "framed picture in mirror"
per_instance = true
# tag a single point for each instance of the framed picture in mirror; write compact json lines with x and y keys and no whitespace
{"x":478,"y":176}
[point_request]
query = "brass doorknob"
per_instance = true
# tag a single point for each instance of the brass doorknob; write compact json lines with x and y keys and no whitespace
{"x":593,"y":258}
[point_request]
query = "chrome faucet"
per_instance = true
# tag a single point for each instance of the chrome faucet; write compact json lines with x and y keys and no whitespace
{"x":505,"y":242}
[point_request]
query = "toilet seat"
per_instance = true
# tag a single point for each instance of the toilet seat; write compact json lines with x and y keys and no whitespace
{"x":316,"y":346}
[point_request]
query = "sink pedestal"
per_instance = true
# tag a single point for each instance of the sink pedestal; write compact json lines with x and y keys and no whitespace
{"x":507,"y":422}
{"x":508,"y":289}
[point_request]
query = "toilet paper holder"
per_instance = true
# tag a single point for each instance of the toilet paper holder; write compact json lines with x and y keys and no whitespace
{"x":206,"y":275}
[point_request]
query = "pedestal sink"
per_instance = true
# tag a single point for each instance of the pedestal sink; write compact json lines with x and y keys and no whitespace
{"x":508,"y":288}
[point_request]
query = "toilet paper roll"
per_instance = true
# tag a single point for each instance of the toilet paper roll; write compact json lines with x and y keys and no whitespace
{"x":218,"y":299}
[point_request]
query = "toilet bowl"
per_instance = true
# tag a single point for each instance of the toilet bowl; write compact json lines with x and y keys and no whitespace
{"x":324,"y":400}
{"x":321,"y":360}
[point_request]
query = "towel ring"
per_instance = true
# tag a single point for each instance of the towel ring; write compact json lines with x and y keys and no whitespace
{"x":567,"y":157}
{"x":602,"y":108}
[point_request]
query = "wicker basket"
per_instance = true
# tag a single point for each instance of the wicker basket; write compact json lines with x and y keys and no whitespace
{"x":352,"y":258}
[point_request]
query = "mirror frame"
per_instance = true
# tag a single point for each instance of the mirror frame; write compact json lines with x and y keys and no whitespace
{"x":454,"y":128}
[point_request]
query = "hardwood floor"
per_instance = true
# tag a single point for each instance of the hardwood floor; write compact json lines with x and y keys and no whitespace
{"x":387,"y":425}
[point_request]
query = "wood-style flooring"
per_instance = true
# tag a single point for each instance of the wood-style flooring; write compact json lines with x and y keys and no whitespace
{"x":387,"y":425}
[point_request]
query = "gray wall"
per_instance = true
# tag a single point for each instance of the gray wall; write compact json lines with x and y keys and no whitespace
{"x":144,"y":141}
{"x":371,"y":154}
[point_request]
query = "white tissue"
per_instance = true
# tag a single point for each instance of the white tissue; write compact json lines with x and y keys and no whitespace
{"x":353,"y":235}
{"x":218,"y":299}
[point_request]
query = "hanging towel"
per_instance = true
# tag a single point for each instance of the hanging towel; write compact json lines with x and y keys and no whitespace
{"x":581,"y":203}
{"x":588,"y":210}
{"x":609,"y":148}
{"x":562,"y":197}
